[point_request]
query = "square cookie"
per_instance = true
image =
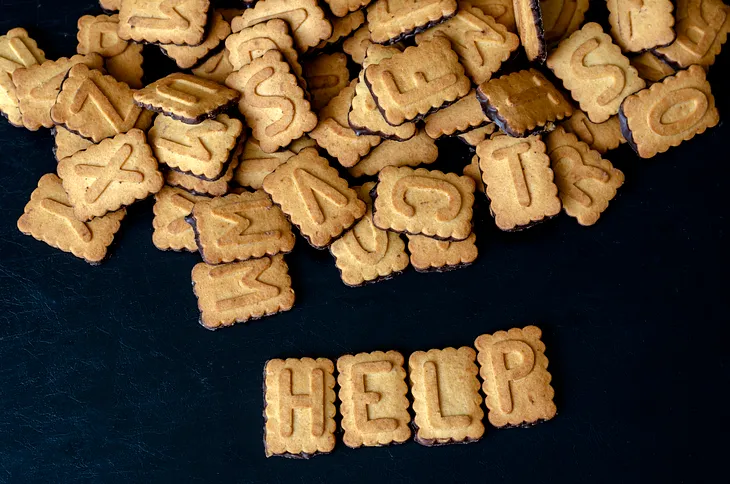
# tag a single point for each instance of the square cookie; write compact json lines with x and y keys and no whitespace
{"x":170,"y":229}
{"x":17,"y":50}
{"x":464,"y":115}
{"x":256,"y":164}
{"x":391,"y":21}
{"x":326,"y":76}
{"x":199,"y":186}
{"x":187,"y":56}
{"x":599,"y":136}
{"x":433,"y":255}
{"x":420,"y":149}
{"x":640,"y":26}
{"x":179,"y":22}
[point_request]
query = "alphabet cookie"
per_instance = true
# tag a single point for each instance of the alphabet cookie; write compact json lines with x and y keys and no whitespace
{"x":110,"y":175}
{"x":598,"y":136}
{"x":560,"y":18}
{"x":127,"y":66}
{"x":391,"y":21}
{"x":17,"y":50}
{"x":519,"y":181}
{"x":365,"y":253}
{"x":321,"y":217}
{"x":669,"y":112}
{"x":516,"y":381}
{"x":650,"y":67}
{"x":241,"y":291}
{"x":272,"y":101}
{"x":418,"y":81}
{"x":637,"y":26}
{"x":200,"y":186}
{"x":500,"y":10}
{"x":110,"y":5}
{"x":418,"y":150}
{"x":528,"y":18}
{"x":216,"y":68}
{"x":446,"y":398}
{"x":49,"y":217}
{"x":433,"y":255}
{"x":464,"y":115}
{"x":179,"y":22}
{"x":477,"y":135}
{"x":171,"y":230}
{"x":356,"y":46}
{"x":522,"y":103}
{"x":326,"y":76}
{"x":420,"y":201}
{"x":187,"y":56}
{"x":595,"y":71}
{"x":256,"y":164}
{"x":299,"y":407}
{"x":373,"y":399}
{"x":66,"y":143}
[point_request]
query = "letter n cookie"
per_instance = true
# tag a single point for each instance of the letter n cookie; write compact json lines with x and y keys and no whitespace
{"x":164,"y":21}
{"x":17,"y":50}
{"x":641,"y":25}
{"x":446,"y":398}
{"x":516,"y":381}
{"x":373,"y":394}
{"x":171,"y":230}
{"x":519,"y":181}
{"x":669,"y":112}
{"x":299,"y":407}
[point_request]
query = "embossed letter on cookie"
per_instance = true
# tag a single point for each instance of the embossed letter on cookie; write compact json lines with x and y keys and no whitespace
{"x":17,"y":50}
{"x":164,"y":22}
{"x":390,"y":21}
{"x":171,"y":230}
{"x":638,"y":25}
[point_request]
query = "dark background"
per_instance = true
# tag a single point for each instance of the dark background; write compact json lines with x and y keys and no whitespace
{"x":106,"y":376}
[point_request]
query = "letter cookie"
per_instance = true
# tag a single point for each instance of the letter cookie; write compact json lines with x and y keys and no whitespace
{"x":66,"y":143}
{"x":560,"y":18}
{"x":366,"y":254}
{"x":595,"y":71}
{"x":314,"y":196}
{"x":598,"y":136}
{"x":110,"y":175}
{"x":529,"y":27}
{"x":669,"y":112}
{"x":186,"y":98}
{"x":519,"y":181}
{"x":516,"y":381}
{"x":199,"y":186}
{"x":433,"y":255}
{"x":417,"y":81}
{"x":356,"y":45}
{"x":326,"y":76}
{"x":446,"y":398}
{"x":186,"y":56}
{"x":342,"y":28}
{"x":586,"y":182}
{"x":216,"y":68}
{"x":502,"y":11}
{"x":373,"y":399}
{"x":171,"y":230}
{"x":256,"y":164}
{"x":179,"y":22}
{"x":475,"y":136}
{"x":420,"y":149}
{"x":420,"y":201}
{"x":272,"y":101}
{"x":651,"y":68}
{"x":49,"y":217}
{"x":299,"y":407}
{"x":637,"y":25}
{"x":480,"y":41}
{"x":17,"y":50}
{"x":127,"y":66}
{"x":391,"y":21}
{"x":340,"y":8}
{"x":464,"y":115}
{"x":522,"y":103}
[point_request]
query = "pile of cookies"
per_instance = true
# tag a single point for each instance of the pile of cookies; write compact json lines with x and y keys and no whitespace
{"x":264,"y":129}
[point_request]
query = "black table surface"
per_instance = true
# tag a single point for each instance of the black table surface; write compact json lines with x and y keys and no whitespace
{"x":106,"y":375}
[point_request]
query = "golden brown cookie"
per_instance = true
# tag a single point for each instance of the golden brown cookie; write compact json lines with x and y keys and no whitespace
{"x":187,"y":56}
{"x":255,"y":164}
{"x":595,"y":71}
{"x":171,"y":230}
{"x":299,"y":407}
{"x":179,"y":22}
{"x":502,"y":11}
{"x":365,"y":253}
{"x":446,"y":398}
{"x":650,"y":67}
{"x":272,"y":101}
{"x":416,"y":82}
{"x":110,"y":175}
{"x":475,"y":136}
{"x":340,"y":8}
{"x":433,"y":255}
{"x":420,"y":149}
{"x":598,"y":136}
{"x":480,"y":41}
{"x":99,"y":34}
{"x":110,"y":5}
{"x":391,"y":21}
{"x":17,"y":50}
{"x":427,"y":202}
{"x":216,"y":68}
{"x":519,"y":181}
{"x":127,"y":66}
{"x":464,"y":115}
{"x":586,"y":182}
{"x":638,"y":26}
{"x":66,"y":143}
{"x":356,"y":46}
{"x":560,"y":18}
{"x":373,"y":399}
{"x":472,"y":171}
{"x":326,"y":76}
{"x":523,"y":103}
{"x":49,"y":217}
{"x":322,"y":217}
{"x":241,"y":291}
{"x":342,"y":28}
{"x":528,"y":19}
{"x":299,"y":144}
{"x":199,"y":186}
{"x":516,"y":381}
{"x":669,"y":112}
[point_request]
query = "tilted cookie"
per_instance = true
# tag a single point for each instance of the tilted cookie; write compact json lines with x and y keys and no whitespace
{"x":502,"y":11}
{"x":340,"y":8}
{"x":196,"y":185}
{"x":321,"y":217}
{"x":216,"y":68}
{"x":523,"y":103}
{"x":241,"y":291}
{"x":586,"y":182}
{"x":334,"y":134}
{"x":365,"y":253}
{"x":480,"y":41}
{"x":171,"y":230}
{"x":427,"y":202}
{"x":303,"y":388}
{"x":598,"y":136}
{"x":110,"y":175}
{"x":472,"y":171}
{"x":37,"y":87}
{"x":94,"y":105}
{"x":373,"y":399}
{"x":702,"y":27}
{"x":416,"y":82}
{"x":49,"y":217}
{"x":179,"y":22}
{"x":127,"y":66}
{"x":516,"y":380}
{"x":17,"y":50}
{"x":203,"y":150}
{"x":391,"y":21}
{"x":240,"y":227}
{"x":272,"y":101}
{"x":638,"y":26}
{"x":433,"y":255}
{"x":418,"y":150}
{"x":475,"y":136}
{"x":255,"y":164}
{"x":519,"y":181}
{"x":650,"y":67}
{"x":326,"y":76}
{"x":595,"y":71}
{"x":446,"y":398}
{"x":186,"y":98}
{"x":66,"y":143}
{"x":187,"y":56}
{"x":356,"y":46}
{"x":299,"y":144}
{"x":530,"y":29}
{"x":306,"y":20}
{"x":560,"y":18}
{"x":99,"y":34}
{"x":342,"y":28}
{"x":669,"y":112}
{"x":464,"y":115}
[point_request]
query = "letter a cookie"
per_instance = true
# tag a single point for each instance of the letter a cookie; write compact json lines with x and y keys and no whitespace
{"x":516,"y":380}
{"x":641,"y":25}
{"x":179,"y":22}
{"x":17,"y":50}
